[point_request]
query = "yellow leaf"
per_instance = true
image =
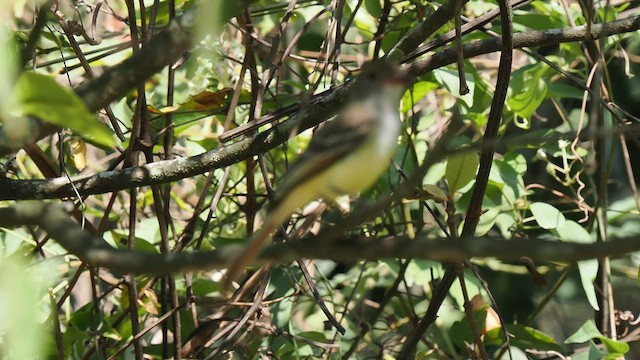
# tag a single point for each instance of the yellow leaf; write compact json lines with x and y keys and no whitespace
{"x":79,"y":153}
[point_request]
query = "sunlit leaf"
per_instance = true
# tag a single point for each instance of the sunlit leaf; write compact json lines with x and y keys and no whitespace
{"x":461,"y":169}
{"x":451,"y":81}
{"x":586,"y":332}
{"x":523,"y":337}
{"x":417,"y":92}
{"x":613,"y":346}
{"x":42,"y":97}
{"x":525,"y":102}
{"x":547,"y":216}
{"x":79,"y":153}
{"x":589,"y":331}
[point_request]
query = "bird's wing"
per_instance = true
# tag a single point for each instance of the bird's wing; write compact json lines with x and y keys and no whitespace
{"x":333,"y":141}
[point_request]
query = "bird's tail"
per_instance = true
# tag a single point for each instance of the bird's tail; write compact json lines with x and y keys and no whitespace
{"x":275,"y":218}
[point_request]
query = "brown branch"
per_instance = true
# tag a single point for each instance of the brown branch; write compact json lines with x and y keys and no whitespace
{"x":56,"y":222}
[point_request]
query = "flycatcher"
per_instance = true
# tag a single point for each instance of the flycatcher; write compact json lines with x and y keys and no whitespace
{"x":345,"y":156}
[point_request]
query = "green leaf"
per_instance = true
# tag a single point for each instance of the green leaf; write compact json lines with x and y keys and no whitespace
{"x":526,"y":102}
{"x":451,"y":80}
{"x":461,"y":169}
{"x":590,"y":331}
{"x":511,"y":178}
{"x":214,"y":14}
{"x":417,"y":92}
{"x":596,"y":354}
{"x":21,"y":331}
{"x":527,"y":91}
{"x":517,"y":161}
{"x":608,"y":13}
{"x":461,"y":331}
{"x":613,"y":346}
{"x":85,"y":318}
{"x":419,"y":272}
{"x":537,"y":21}
{"x":547,"y":216}
{"x":482,"y":97}
{"x":487,"y":220}
{"x":313,"y":335}
{"x":588,"y":271}
{"x":505,"y":223}
{"x":205,"y":287}
{"x":8,"y":62}
{"x":533,"y":139}
{"x":42,"y":97}
{"x":373,"y":7}
{"x":573,"y":232}
{"x":522,"y":337}
{"x":587,"y":331}
{"x":477,"y":118}
{"x":592,"y":354}
{"x":564,"y":91}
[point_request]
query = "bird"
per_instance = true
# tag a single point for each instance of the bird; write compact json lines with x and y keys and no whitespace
{"x":346,"y":155}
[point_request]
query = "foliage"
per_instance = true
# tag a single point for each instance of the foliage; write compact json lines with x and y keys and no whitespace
{"x":563,"y":169}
